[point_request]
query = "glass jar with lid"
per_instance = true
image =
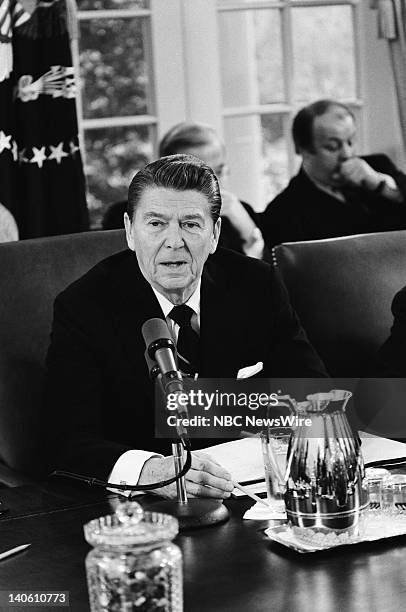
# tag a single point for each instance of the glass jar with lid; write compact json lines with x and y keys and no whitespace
{"x":134,"y":564}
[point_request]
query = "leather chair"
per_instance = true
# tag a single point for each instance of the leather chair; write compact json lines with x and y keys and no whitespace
{"x":32,"y":273}
{"x":342,"y":289}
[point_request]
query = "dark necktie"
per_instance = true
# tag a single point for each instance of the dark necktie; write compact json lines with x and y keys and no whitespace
{"x":188,"y":340}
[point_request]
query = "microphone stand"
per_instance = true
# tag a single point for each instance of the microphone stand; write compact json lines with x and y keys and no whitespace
{"x":195,"y":512}
{"x":177,"y":452}
{"x":192,"y":513}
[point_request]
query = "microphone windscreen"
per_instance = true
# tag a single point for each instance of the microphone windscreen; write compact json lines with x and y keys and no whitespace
{"x":155,"y":329}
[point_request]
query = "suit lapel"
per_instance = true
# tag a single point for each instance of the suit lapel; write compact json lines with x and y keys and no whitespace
{"x":218,"y":328}
{"x":134,"y":303}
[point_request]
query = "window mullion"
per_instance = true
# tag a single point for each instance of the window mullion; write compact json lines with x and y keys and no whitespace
{"x":74,"y":44}
{"x":288,"y":70}
{"x":112,"y":14}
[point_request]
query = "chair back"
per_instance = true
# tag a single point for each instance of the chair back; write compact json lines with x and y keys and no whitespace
{"x":342,"y":290}
{"x":32,"y":273}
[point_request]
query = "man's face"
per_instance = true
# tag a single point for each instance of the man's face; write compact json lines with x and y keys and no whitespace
{"x":333,"y":143}
{"x":172,"y":234}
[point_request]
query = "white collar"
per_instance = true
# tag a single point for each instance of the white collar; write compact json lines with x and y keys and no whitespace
{"x":193,"y":301}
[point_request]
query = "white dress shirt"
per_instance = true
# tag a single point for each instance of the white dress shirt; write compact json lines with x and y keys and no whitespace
{"x":128,"y":466}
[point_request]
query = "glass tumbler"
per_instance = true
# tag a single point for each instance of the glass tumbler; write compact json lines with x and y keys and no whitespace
{"x":134,"y":565}
{"x":274,"y":452}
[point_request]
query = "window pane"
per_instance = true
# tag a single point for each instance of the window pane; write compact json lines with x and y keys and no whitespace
{"x":323,"y":52}
{"x":112,"y":157}
{"x":251,"y":57}
{"x":87,"y":5}
{"x":114,"y":72}
{"x":269,"y":56}
{"x":275,"y":156}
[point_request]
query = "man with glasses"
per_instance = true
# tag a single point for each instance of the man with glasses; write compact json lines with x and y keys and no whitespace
{"x":239,"y":229}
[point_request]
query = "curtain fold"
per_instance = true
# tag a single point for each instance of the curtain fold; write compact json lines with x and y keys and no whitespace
{"x":392,"y":27}
{"x":42,"y":182}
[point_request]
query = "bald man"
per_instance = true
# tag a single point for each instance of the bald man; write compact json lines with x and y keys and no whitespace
{"x":335,"y":193}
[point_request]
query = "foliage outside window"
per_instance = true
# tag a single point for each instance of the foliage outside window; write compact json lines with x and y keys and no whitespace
{"x":275,"y":56}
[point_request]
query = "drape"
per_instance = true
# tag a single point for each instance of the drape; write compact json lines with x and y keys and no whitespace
{"x":41,"y":175}
{"x":392,"y":27}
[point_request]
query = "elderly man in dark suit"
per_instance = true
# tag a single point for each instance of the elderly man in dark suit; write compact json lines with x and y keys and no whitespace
{"x":225,"y":312}
{"x":335,"y":193}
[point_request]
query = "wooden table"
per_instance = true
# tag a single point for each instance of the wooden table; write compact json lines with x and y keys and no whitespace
{"x":229,"y":567}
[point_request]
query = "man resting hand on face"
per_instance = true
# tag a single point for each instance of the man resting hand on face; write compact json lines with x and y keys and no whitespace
{"x":335,"y":193}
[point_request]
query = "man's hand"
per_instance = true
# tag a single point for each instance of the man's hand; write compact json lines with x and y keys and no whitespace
{"x":206,"y":478}
{"x":357,"y":173}
{"x":251,"y":236}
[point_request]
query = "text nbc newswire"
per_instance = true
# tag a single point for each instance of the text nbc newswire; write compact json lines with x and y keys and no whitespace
{"x":179,"y":403}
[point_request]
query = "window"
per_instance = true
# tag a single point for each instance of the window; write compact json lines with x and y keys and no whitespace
{"x":117,"y":117}
{"x":244,"y":66}
{"x":276,"y":56}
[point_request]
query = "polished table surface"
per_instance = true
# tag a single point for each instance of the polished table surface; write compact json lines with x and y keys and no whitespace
{"x":228,"y":567}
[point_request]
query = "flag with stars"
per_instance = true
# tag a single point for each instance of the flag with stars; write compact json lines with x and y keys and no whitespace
{"x":41,"y":174}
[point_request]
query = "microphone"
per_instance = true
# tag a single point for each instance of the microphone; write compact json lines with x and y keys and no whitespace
{"x":153,"y":367}
{"x":160,"y":356}
{"x":160,"y":347}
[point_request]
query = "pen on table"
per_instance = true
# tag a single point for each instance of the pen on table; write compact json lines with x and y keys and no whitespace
{"x":252,"y":495}
{"x":13,"y":551}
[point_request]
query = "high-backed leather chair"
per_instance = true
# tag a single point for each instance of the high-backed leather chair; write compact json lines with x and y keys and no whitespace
{"x":342,"y":289}
{"x":32,"y":273}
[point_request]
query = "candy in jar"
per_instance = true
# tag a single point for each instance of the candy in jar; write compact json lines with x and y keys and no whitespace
{"x":134,"y":564}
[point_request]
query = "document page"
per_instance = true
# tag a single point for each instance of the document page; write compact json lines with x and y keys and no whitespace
{"x":243,"y":459}
{"x":380,"y":449}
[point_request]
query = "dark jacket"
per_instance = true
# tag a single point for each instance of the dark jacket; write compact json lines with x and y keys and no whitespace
{"x":304,"y":212}
{"x":392,"y":355}
{"x":99,"y":394}
{"x":380,"y":401}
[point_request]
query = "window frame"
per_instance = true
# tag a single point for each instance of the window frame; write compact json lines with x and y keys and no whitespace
{"x":288,"y":109}
{"x":185,"y":74}
{"x":113,"y":120}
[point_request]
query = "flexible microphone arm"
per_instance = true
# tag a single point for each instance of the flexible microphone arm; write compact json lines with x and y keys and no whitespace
{"x":90,"y":480}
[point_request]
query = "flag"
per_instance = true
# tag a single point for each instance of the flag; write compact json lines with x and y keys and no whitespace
{"x":41,"y":174}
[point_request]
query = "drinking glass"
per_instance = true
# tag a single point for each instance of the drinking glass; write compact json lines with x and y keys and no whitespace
{"x":274,"y":452}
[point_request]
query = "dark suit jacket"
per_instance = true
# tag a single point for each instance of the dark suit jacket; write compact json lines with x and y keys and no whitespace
{"x":304,"y":212}
{"x":380,"y":401}
{"x":392,"y":355}
{"x":99,"y":396}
